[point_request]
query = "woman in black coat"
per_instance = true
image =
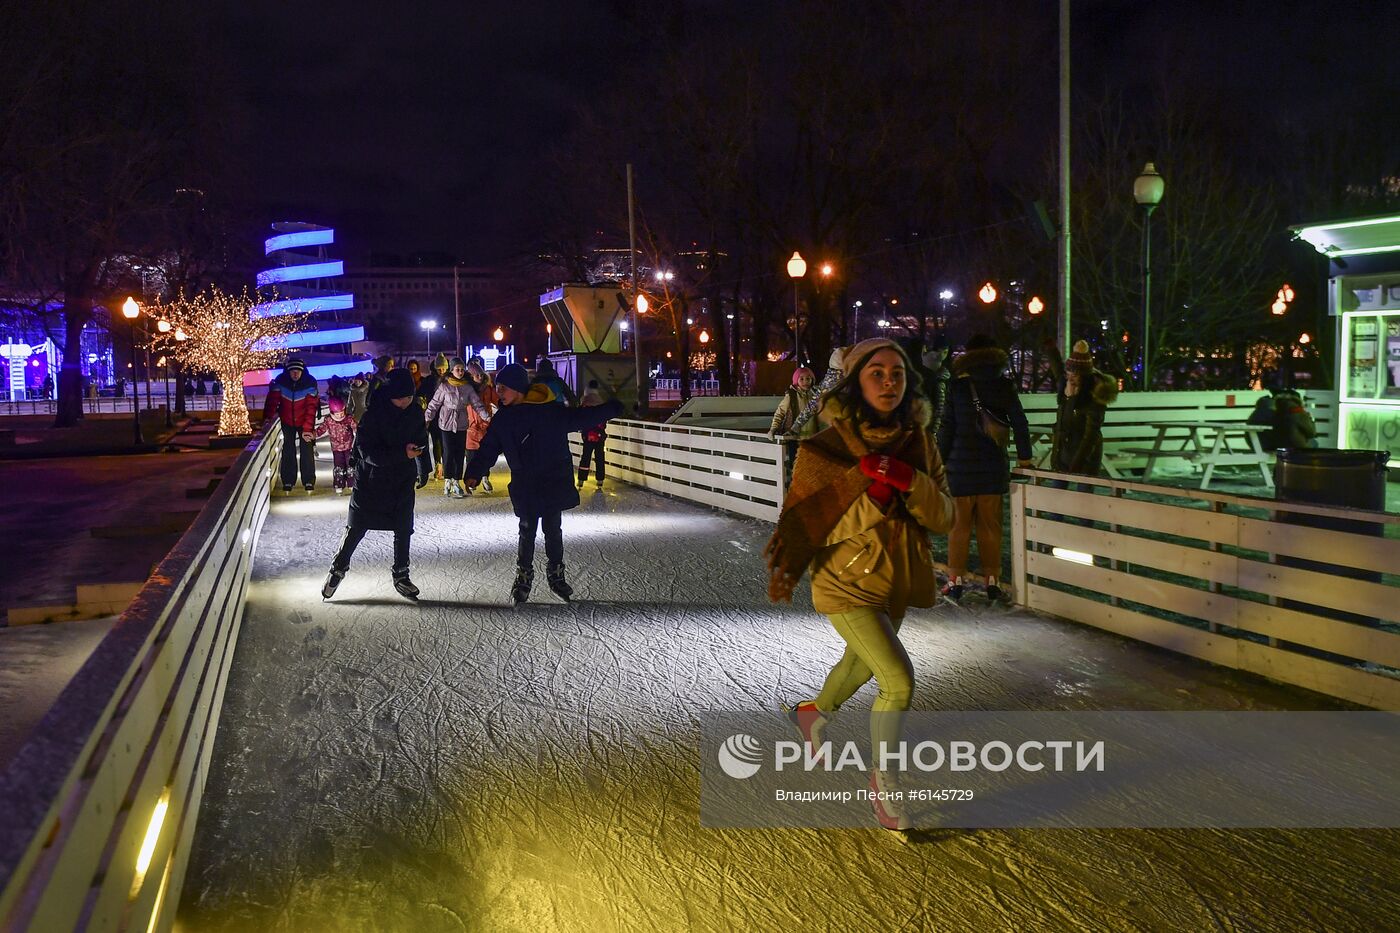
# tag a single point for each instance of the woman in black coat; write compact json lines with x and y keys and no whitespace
{"x":978,"y":472}
{"x":390,"y":439}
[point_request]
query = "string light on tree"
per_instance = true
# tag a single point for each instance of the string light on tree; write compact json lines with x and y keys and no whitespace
{"x":215,"y":332}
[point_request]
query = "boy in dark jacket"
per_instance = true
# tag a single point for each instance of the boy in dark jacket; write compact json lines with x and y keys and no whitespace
{"x":532,"y":431}
{"x":293,"y":400}
{"x":978,"y":472}
{"x":390,"y":439}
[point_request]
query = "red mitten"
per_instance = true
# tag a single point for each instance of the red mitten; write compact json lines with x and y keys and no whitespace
{"x":882,"y":493}
{"x":887,"y":469}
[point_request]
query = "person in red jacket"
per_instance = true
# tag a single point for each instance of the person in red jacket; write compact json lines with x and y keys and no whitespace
{"x":293,"y":400}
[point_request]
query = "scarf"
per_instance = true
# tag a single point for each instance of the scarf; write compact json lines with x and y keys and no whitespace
{"x":826,"y":482}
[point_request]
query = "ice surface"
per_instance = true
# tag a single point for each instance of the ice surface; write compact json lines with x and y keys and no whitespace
{"x":458,"y":765}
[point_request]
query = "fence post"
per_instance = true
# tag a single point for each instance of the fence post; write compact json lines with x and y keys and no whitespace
{"x":1018,"y":541}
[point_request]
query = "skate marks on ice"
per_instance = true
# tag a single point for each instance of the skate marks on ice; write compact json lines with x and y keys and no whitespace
{"x":454,"y":764}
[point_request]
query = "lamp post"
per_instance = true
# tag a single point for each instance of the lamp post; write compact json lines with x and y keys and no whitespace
{"x":131,"y":310}
{"x":1147,"y":192}
{"x":428,"y":327}
{"x":796,"y":269}
{"x":164,"y":327}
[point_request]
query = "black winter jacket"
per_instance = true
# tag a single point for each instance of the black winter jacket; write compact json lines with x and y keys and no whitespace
{"x":384,"y":473}
{"x":1078,"y":444}
{"x":533,"y":434}
{"x":976,"y":466}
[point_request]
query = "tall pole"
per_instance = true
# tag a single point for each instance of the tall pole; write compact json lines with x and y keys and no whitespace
{"x":796,"y":326}
{"x":135,"y":393}
{"x":457,"y":309}
{"x":1147,"y":296}
{"x":639,"y":376}
{"x":1064,"y":277}
{"x":166,"y":379}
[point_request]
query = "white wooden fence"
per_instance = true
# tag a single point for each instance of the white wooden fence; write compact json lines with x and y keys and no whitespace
{"x":1200,"y":573}
{"x":1126,"y":424}
{"x":98,"y":807}
{"x":730,"y":470}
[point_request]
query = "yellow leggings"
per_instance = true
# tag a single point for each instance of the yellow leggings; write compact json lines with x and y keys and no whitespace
{"x":873,"y":649}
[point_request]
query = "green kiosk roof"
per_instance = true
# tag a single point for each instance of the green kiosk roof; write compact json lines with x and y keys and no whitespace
{"x":1356,"y":237}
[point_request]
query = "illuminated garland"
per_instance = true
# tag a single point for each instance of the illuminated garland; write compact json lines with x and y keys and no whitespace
{"x":217,"y":332}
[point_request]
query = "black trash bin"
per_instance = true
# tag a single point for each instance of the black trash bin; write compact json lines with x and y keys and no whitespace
{"x":1324,"y":476}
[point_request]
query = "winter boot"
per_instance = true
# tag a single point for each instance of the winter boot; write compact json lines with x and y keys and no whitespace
{"x":404,"y":585}
{"x":954,"y":589}
{"x":888,"y":801}
{"x":582,"y":477}
{"x":520,"y":589}
{"x":486,"y":484}
{"x":811,"y":724}
{"x":446,"y":488}
{"x":332,"y":581}
{"x":459,"y":491}
{"x":995,"y":594}
{"x":555,"y":575}
{"x":286,"y":490}
{"x":310,"y":488}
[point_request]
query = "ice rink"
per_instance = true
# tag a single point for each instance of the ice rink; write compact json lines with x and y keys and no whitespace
{"x":458,"y":765}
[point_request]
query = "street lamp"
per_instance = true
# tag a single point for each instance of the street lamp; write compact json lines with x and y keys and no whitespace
{"x":704,"y":336}
{"x":642,"y":303}
{"x":828,"y":270}
{"x":796,"y":269}
{"x":428,"y":327}
{"x":498,"y":335}
{"x":1035,"y":305}
{"x":1147,"y":192}
{"x":987,"y":293}
{"x":131,"y":310}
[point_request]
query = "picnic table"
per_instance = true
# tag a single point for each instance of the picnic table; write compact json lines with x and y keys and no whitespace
{"x":1211,"y":444}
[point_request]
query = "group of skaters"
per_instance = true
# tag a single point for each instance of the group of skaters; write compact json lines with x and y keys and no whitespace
{"x":395,"y":430}
{"x":890,"y":448}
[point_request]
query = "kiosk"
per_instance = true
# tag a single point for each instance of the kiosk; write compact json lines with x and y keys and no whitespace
{"x":1364,"y":302}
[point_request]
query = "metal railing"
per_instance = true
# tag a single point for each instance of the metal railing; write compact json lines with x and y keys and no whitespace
{"x":101,"y":800}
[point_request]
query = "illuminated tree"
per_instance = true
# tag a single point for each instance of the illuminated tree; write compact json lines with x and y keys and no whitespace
{"x":215,"y":331}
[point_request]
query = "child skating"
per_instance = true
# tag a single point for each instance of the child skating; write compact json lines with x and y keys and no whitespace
{"x":340,"y":428}
{"x":390,"y":440}
{"x":865,"y":493}
{"x":532,"y":432}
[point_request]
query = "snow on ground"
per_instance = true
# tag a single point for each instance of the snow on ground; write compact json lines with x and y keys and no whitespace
{"x":457,"y":765}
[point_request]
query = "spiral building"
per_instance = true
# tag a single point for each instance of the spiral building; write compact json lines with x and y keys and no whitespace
{"x":299,"y":276}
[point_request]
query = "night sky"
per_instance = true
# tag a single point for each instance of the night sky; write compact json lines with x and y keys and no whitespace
{"x":422,"y":125}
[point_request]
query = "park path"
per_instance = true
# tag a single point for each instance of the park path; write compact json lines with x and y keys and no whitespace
{"x":458,"y":765}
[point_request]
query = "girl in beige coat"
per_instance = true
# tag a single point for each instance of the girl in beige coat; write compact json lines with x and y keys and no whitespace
{"x":865,"y":493}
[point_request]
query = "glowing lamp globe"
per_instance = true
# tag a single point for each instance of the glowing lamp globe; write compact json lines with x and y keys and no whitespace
{"x":796,"y":266}
{"x":1279,"y":306}
{"x":704,"y":336}
{"x":498,"y":335}
{"x":642,"y":304}
{"x":1035,"y":305}
{"x":988,"y":293}
{"x":130,"y":309}
{"x":163,"y":326}
{"x":1305,"y":339}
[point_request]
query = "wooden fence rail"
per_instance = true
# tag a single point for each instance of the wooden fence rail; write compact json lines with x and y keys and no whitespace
{"x":101,"y":801}
{"x":731,"y":470}
{"x":1217,"y":577}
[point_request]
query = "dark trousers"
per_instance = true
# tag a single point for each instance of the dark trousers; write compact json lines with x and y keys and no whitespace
{"x":553,"y":523}
{"x":454,"y":447}
{"x":592,"y":450}
{"x":351,"y":540}
{"x":425,"y":462}
{"x":291,"y":437}
{"x":344,"y":476}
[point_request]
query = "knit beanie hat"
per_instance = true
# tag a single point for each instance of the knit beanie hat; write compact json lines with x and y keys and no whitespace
{"x":857,"y":355}
{"x":399,"y":383}
{"x":838,"y":355}
{"x":1080,"y":361}
{"x":295,"y":363}
{"x":514,"y":377}
{"x":336,"y":404}
{"x":454,"y":363}
{"x":801,"y":371}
